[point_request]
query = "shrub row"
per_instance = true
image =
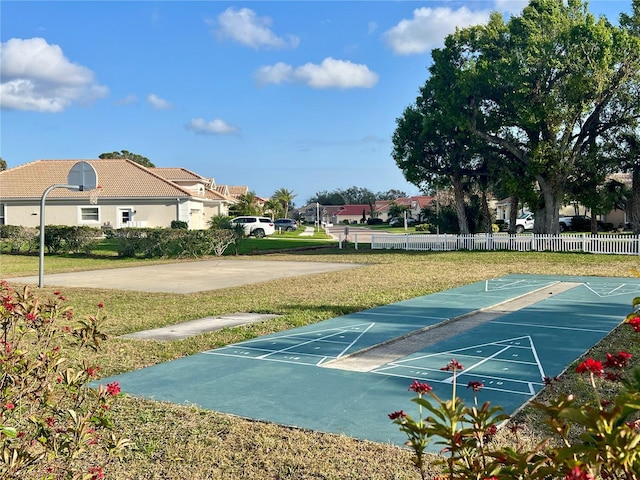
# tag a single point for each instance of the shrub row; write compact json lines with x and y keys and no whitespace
{"x":14,"y":238}
{"x":57,"y":238}
{"x":171,"y":243}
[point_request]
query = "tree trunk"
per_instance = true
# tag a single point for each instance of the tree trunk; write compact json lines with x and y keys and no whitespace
{"x":635,"y":199}
{"x":547,"y":214}
{"x":458,"y":193}
{"x":486,"y":214}
{"x":513,"y":214}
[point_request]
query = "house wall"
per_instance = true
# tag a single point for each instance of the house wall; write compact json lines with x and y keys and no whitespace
{"x":158,"y":213}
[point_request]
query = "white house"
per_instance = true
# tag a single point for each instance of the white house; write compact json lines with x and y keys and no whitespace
{"x":129,"y":195}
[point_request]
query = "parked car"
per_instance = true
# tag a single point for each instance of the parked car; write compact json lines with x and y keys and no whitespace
{"x":255,"y":226}
{"x":524,"y":222}
{"x":285,"y":224}
{"x":399,"y":222}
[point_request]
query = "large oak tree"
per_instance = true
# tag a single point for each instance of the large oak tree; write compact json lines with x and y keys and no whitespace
{"x":540,"y":90}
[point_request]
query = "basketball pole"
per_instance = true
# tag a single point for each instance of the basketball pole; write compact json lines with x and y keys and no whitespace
{"x":42,"y":205}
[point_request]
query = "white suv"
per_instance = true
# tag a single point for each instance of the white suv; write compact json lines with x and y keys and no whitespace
{"x":259,"y":227}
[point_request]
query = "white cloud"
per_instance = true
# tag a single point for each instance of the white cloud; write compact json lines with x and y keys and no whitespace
{"x":37,"y":76}
{"x":247,"y":28}
{"x":429,"y":27}
{"x":128,"y":100}
{"x":331,"y":73}
{"x":158,"y":103}
{"x":511,"y":6}
{"x":214,"y":127}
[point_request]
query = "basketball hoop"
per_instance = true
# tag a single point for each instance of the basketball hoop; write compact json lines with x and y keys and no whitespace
{"x":94,"y":194}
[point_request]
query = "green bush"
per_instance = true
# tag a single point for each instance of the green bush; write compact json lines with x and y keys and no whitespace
{"x":172,"y":243}
{"x":130,"y":242}
{"x":67,"y":239}
{"x":179,"y":224}
{"x":16,"y":238}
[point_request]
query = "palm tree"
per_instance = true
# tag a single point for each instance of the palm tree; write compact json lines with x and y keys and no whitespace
{"x":274,"y":207}
{"x":285,"y":198}
{"x":247,"y":205}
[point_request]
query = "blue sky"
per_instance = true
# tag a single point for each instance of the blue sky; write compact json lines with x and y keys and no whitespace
{"x":300,"y":95}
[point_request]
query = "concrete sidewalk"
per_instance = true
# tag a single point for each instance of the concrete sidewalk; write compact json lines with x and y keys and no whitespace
{"x":185,"y":277}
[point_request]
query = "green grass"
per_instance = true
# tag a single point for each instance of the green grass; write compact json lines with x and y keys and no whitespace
{"x":178,"y":441}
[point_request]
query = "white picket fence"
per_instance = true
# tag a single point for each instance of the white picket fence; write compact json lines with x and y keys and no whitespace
{"x":615,"y":244}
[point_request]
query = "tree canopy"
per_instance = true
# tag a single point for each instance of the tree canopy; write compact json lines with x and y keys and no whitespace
{"x":526,"y":102}
{"x":134,"y":157}
{"x":354,"y":196}
{"x":3,"y":164}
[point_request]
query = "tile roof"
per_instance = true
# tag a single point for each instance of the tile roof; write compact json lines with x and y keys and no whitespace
{"x":177,"y":174}
{"x":352,"y":210}
{"x":119,"y":178}
{"x":171,"y":173}
{"x":236,"y":190}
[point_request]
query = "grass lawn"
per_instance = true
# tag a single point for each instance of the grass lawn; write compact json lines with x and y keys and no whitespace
{"x":184,"y":442}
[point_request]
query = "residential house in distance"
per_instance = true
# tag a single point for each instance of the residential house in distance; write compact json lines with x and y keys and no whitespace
{"x":129,"y":195}
{"x":353,"y":213}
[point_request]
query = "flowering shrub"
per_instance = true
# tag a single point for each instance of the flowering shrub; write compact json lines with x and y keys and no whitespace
{"x":52,"y":425}
{"x":594,"y":438}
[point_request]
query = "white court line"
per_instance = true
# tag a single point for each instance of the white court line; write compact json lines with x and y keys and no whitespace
{"x":494,"y":343}
{"x":503,"y":390}
{"x":513,"y":284}
{"x":402,"y":315}
{"x":306,"y":334}
{"x":284,"y":350}
{"x":323,"y":358}
{"x":551,"y":327}
{"x":354,"y":341}
{"x":611,"y":293}
{"x":490,"y":357}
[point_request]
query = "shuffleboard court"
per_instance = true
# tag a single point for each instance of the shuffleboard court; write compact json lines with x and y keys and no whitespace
{"x":283,"y":377}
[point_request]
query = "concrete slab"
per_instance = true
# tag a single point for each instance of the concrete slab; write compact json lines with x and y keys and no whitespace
{"x":186,"y":277}
{"x":201,"y":325}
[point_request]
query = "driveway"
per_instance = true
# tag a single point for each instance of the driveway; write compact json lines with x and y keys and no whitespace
{"x":185,"y":277}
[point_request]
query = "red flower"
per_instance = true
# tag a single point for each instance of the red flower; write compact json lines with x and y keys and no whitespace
{"x":476,"y":386}
{"x":9,"y":406}
{"x":51,"y":421}
{"x":30,"y":317}
{"x":548,"y":381}
{"x":592,"y":366}
{"x":92,"y":371}
{"x":619,"y":360}
{"x":613,"y":376}
{"x":515,"y":427}
{"x":96,"y":473}
{"x":100,"y":305}
{"x":491,"y":430}
{"x":113,"y":389}
{"x":396,"y":415}
{"x":576,"y":473}
{"x":453,"y":365}
{"x":635,"y":323}
{"x":420,"y":388}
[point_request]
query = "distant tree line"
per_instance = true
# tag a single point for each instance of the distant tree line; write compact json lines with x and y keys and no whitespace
{"x":354,"y":196}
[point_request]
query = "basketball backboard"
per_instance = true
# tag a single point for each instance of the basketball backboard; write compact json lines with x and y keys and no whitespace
{"x":83,"y":175}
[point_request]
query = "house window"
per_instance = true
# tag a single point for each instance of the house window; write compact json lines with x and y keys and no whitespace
{"x":89,"y":214}
{"x":2,"y":217}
